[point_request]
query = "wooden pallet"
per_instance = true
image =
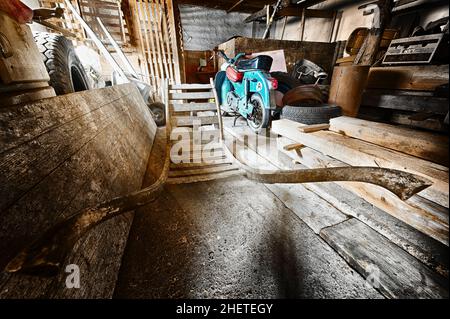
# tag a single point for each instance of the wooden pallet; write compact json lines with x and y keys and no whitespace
{"x":197,"y":153}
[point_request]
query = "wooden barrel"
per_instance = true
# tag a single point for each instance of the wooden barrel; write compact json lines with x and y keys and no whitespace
{"x":347,"y":85}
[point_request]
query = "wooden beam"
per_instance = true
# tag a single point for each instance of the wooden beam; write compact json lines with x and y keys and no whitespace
{"x":414,"y":77}
{"x":234,"y":5}
{"x":360,"y":153}
{"x":293,"y":146}
{"x":405,"y":102}
{"x":429,"y":146}
{"x":296,"y":11}
{"x":368,"y":52}
{"x":314,"y":128}
{"x":258,"y":15}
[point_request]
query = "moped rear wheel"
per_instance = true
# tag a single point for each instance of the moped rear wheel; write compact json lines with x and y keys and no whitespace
{"x":260,"y":116}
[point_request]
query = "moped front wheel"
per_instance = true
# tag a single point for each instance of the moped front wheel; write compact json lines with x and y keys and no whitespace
{"x":261,"y":116}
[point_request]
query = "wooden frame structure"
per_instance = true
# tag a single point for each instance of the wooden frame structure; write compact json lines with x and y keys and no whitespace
{"x":157,"y":42}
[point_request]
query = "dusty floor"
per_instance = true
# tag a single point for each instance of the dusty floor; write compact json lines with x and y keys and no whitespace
{"x":230,"y":239}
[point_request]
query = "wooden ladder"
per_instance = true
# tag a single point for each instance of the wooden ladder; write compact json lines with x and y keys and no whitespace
{"x":195,"y":122}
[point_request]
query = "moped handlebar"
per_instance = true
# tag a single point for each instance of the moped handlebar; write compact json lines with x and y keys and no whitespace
{"x":222,"y":54}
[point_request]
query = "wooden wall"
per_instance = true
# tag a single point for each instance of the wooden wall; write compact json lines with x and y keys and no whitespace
{"x":58,"y":156}
{"x":191,"y":63}
{"x":320,"y":53}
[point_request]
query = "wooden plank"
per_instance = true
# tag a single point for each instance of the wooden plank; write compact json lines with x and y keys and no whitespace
{"x":143,"y":46}
{"x":311,"y":208}
{"x":151,"y":17}
{"x":422,"y":78}
{"x":432,"y":221}
{"x":405,"y":102}
{"x":193,"y":107}
{"x":433,"y":124}
{"x":189,"y":86}
{"x":429,"y":146}
{"x":191,"y":96}
{"x":157,"y":33}
{"x":419,"y":245}
{"x":100,"y":170}
{"x":392,"y":270}
{"x":166,"y":40}
{"x":194,"y":120}
{"x":293,"y":146}
{"x":176,"y":41}
{"x":198,"y":156}
{"x":36,"y":163}
{"x":314,"y":128}
{"x":206,"y":135}
{"x":360,"y":153}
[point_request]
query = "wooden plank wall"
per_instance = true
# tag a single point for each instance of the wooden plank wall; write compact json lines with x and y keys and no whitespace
{"x":157,"y":40}
{"x":321,"y":53}
{"x":58,"y":156}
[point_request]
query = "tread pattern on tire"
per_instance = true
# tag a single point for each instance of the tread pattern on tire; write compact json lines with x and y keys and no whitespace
{"x":55,"y":50}
{"x":311,"y":115}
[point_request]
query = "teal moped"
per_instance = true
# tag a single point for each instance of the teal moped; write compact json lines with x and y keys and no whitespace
{"x":245,"y":88}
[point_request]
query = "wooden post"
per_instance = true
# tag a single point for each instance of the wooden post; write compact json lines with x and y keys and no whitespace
{"x":302,"y":30}
{"x":284,"y":27}
{"x":382,"y":16}
{"x":219,"y":113}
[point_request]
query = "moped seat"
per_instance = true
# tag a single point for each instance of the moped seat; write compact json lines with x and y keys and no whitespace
{"x":261,"y":62}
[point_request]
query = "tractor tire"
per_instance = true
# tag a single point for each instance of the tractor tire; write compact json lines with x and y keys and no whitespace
{"x":66,"y":72}
{"x":311,"y":114}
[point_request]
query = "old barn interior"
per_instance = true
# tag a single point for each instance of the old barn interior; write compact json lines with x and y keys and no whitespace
{"x":224,"y":149}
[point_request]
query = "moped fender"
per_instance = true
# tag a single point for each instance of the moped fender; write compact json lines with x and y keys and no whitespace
{"x":258,"y":83}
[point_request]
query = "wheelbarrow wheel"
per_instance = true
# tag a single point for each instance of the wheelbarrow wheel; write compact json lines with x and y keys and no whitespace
{"x":158,"y":113}
{"x":261,"y":116}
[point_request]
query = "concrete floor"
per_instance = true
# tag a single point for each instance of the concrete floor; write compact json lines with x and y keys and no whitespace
{"x":231,"y":238}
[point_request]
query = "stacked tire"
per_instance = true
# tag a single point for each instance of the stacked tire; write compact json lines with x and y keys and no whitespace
{"x":306,"y":113}
{"x":315,"y":114}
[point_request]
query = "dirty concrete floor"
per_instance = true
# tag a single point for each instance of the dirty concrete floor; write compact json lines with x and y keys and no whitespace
{"x":230,"y":238}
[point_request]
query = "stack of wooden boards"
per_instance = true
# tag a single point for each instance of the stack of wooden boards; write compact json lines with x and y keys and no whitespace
{"x":406,"y":242}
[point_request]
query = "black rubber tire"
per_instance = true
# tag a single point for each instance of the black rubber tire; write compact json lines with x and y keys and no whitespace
{"x":158,"y":113}
{"x":285,"y":81}
{"x":312,"y":114}
{"x":265,"y":120}
{"x":66,"y":72}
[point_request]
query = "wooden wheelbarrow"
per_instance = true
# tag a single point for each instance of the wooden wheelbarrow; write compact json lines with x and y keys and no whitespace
{"x":46,"y":255}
